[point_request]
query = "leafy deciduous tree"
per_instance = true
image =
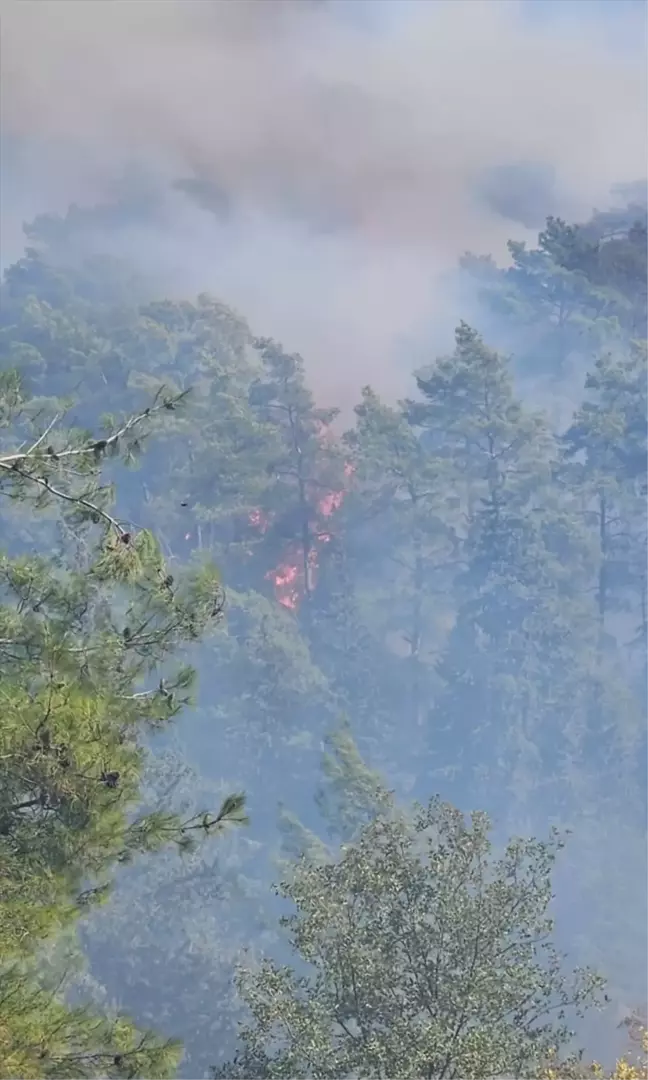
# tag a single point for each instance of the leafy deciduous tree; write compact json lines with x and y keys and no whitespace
{"x":419,"y":953}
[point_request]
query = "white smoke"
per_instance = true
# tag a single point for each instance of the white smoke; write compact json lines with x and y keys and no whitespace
{"x":349,"y":162}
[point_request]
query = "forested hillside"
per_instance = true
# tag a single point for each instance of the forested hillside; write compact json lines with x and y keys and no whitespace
{"x":438,"y":611}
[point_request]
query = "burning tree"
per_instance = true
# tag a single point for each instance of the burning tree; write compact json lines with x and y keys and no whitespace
{"x":310,"y":474}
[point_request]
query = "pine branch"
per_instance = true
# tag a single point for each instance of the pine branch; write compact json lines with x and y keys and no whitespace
{"x":97,"y":445}
{"x":78,"y":500}
{"x":17,"y":464}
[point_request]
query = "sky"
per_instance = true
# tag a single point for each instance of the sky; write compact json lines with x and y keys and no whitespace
{"x":353,"y":149}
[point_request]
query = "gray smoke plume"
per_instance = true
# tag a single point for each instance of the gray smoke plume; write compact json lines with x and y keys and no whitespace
{"x":318,"y":164}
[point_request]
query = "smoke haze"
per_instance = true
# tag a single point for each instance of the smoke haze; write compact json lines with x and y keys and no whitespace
{"x":348,"y":153}
{"x":321,"y":166}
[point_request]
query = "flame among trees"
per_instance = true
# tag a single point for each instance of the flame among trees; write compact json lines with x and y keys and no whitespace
{"x":296,"y":576}
{"x":308,"y":471}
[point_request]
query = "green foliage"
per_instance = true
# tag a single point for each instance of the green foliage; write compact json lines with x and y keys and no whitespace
{"x":352,"y":793}
{"x":464,"y":581}
{"x":42,"y":1037}
{"x":78,"y":638}
{"x":581,"y":289}
{"x":404,"y":495}
{"x":577,"y":292}
{"x":423,"y":955}
{"x":521,"y":676}
{"x":166,"y":944}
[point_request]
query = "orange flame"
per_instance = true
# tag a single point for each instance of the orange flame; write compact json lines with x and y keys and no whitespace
{"x":286,"y":583}
{"x":330,"y":503}
{"x":288,"y":577}
{"x":259,"y":520}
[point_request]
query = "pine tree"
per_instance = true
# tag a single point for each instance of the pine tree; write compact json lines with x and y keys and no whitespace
{"x":83,"y":631}
{"x":519,"y":669}
{"x":607,"y":445}
{"x":307,"y":471}
{"x":211,"y":492}
{"x":582,"y":288}
{"x":399,"y":524}
{"x":166,"y":945}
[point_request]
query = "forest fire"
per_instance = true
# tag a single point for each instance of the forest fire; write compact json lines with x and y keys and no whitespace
{"x":259,"y":521}
{"x":296,"y":574}
{"x":330,"y":503}
{"x":286,"y":583}
{"x":289,"y":579}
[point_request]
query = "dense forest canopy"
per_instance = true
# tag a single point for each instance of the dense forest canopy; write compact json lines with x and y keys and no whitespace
{"x":440,"y":611}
